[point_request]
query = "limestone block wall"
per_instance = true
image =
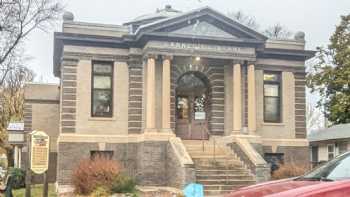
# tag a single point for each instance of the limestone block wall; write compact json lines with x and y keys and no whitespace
{"x":179,"y":172}
{"x":76,"y":90}
{"x":228,"y":99}
{"x":118,"y":124}
{"x":41,"y":112}
{"x":285,"y":129}
{"x":150,"y":162}
{"x":300,"y":106}
{"x":135,"y":94}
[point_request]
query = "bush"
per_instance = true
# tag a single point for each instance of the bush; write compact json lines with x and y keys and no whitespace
{"x":18,"y":176}
{"x":123,"y":184}
{"x":288,"y":171}
{"x":100,"y":192}
{"x":91,"y":174}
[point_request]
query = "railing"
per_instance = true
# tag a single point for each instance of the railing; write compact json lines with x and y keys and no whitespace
{"x":205,"y":130}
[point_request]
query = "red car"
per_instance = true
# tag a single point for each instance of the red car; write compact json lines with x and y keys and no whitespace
{"x":330,"y":180}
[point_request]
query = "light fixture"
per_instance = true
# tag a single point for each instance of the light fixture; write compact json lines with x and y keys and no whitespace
{"x":198,"y":58}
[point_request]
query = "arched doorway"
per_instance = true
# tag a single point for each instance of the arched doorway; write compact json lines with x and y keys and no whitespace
{"x":192,"y":106}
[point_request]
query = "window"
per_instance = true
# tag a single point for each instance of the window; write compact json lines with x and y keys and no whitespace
{"x":274,"y":159}
{"x":331,"y":151}
{"x":182,"y":108}
{"x":101,"y":154}
{"x":343,"y":147}
{"x":272,"y":97}
{"x":102,"y":89}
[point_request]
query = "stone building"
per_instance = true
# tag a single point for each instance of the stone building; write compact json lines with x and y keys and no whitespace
{"x":168,"y":92}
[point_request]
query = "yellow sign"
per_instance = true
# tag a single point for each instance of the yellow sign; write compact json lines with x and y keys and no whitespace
{"x":39,"y":153}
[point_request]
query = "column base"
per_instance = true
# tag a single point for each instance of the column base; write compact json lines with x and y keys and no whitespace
{"x":150,"y":130}
{"x":236,"y":132}
{"x":167,"y":130}
{"x":252,"y":132}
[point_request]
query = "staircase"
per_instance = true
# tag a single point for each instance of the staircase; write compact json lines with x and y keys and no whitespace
{"x":220,"y":175}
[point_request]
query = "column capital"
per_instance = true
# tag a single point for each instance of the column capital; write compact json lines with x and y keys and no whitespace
{"x":151,"y":56}
{"x":167,"y":57}
{"x":235,"y":61}
{"x":251,"y":63}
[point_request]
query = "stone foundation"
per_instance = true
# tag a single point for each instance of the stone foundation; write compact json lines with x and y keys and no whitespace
{"x":150,"y":162}
{"x":292,"y":154}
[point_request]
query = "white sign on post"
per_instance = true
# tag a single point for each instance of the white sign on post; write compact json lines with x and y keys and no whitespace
{"x":39,"y":152}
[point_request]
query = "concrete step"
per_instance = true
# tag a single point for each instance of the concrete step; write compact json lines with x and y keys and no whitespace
{"x":241,"y":176}
{"x":208,"y":152}
{"x":216,"y":193}
{"x":223,"y":159}
{"x":223,"y":187}
{"x":217,"y":172}
{"x":226,"y":182}
{"x":221,"y":175}
{"x":204,"y":166}
{"x":222,"y":171}
{"x":211,"y":157}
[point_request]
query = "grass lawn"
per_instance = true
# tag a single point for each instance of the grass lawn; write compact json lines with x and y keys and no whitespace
{"x":37,"y":191}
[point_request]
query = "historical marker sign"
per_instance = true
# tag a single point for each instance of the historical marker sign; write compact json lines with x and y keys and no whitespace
{"x":40,"y":144}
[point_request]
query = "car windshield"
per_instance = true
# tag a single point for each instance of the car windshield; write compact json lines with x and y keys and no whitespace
{"x":336,"y":169}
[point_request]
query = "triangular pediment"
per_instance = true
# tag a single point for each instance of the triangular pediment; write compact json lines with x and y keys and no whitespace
{"x":203,"y":28}
{"x":204,"y":22}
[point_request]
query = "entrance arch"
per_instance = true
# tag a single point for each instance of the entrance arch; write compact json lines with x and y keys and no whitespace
{"x":192,"y":95}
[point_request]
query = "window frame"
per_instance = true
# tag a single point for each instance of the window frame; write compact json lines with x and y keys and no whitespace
{"x":279,"y":83}
{"x":334,"y":152}
{"x":106,"y":154}
{"x":111,"y":89}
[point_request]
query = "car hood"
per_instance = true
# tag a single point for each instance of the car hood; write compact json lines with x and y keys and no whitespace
{"x":271,"y":187}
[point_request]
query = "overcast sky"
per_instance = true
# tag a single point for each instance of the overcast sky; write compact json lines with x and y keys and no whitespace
{"x":317,"y":18}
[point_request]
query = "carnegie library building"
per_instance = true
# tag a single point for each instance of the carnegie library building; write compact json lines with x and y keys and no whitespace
{"x":175,"y":97}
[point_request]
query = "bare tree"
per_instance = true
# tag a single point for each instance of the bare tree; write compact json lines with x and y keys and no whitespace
{"x":277,"y":31}
{"x":314,"y":118}
{"x":18,"y":18}
{"x":12,"y":102}
{"x":244,"y":19}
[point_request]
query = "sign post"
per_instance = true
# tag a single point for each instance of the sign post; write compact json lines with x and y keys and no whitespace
{"x":39,"y":155}
{"x":28,"y":170}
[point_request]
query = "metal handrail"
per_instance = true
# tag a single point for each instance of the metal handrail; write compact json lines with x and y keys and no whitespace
{"x":214,"y":141}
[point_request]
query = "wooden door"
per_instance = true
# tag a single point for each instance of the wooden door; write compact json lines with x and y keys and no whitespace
{"x":191,"y":122}
{"x":183,"y":117}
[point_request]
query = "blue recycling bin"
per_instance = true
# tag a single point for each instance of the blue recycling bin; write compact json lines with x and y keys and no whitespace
{"x":194,"y":190}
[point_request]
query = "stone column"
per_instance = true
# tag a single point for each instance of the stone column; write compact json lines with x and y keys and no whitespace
{"x":237,"y":99}
{"x":19,"y":157}
{"x":251,"y":100}
{"x":15,"y":155}
{"x":166,"y":94}
{"x":150,"y":94}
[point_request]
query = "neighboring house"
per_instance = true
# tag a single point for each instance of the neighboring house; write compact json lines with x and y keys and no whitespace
{"x":146,"y":92}
{"x":325,"y":144}
{"x":16,"y":138}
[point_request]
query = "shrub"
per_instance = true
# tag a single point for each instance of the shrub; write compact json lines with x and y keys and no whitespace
{"x":123,"y":184}
{"x":288,"y":171}
{"x":100,"y":192}
{"x":91,"y":174}
{"x":18,"y":176}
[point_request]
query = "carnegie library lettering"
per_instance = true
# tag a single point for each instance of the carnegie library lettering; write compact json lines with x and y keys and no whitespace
{"x":166,"y":93}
